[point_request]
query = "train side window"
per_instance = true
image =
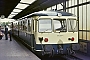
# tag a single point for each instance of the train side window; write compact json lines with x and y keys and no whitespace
{"x":25,"y":25}
{"x":29,"y":25}
{"x":21,"y":25}
{"x":15,"y":25}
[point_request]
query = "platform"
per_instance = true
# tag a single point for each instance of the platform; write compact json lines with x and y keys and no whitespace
{"x":82,"y":56}
{"x":12,"y":50}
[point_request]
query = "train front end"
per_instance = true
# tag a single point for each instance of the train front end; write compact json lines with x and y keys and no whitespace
{"x":56,"y":34}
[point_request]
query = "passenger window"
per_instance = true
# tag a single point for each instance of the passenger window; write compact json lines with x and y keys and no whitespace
{"x":29,"y":25}
{"x":21,"y":25}
{"x":24,"y":27}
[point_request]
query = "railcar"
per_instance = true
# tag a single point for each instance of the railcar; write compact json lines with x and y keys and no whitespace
{"x":49,"y":32}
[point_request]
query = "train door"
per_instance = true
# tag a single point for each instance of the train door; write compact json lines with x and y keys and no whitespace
{"x":34,"y":32}
{"x":29,"y":31}
{"x":32,"y":35}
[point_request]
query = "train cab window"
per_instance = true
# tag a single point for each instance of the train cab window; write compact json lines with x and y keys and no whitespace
{"x":72,"y":25}
{"x":45,"y":25}
{"x":60,"y":25}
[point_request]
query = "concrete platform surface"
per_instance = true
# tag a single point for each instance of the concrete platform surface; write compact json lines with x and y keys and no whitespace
{"x":82,"y":56}
{"x":11,"y":50}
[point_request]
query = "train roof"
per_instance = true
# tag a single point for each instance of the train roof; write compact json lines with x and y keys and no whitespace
{"x":51,"y":13}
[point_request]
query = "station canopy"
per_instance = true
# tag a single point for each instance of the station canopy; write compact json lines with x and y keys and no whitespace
{"x":16,"y":9}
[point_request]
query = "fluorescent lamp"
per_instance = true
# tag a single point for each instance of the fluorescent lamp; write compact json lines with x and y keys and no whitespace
{"x":10,"y":16}
{"x":21,"y":6}
{"x":27,"y":1}
{"x":14,"y":13}
{"x":17,"y":10}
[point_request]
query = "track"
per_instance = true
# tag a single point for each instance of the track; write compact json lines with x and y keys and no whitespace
{"x":53,"y":58}
{"x":71,"y":57}
{"x":64,"y":57}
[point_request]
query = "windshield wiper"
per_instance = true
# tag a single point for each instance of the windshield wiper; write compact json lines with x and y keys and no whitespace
{"x":47,"y":30}
{"x":61,"y":29}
